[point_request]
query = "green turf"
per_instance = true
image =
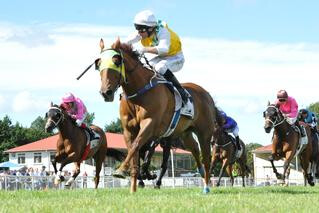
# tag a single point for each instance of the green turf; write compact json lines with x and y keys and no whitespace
{"x":260,"y":199}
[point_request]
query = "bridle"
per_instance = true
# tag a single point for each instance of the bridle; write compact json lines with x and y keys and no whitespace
{"x":59,"y":111}
{"x":279,"y":119}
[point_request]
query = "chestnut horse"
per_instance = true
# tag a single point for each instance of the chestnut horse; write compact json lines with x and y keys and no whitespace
{"x":147,"y":109}
{"x":72,"y":143}
{"x":224,"y":150}
{"x":285,"y":142}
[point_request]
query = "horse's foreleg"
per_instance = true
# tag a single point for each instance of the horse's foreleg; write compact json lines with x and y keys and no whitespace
{"x":75,"y":174}
{"x":229,"y":170}
{"x":70,"y":158}
{"x":134,"y":172}
{"x":166,"y":152}
{"x":271,"y":159}
{"x":143,"y":137}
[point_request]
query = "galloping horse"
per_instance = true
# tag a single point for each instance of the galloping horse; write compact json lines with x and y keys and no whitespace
{"x":285,"y":142}
{"x":72,"y":143}
{"x":167,"y":146}
{"x":148,"y":107}
{"x":224,"y":150}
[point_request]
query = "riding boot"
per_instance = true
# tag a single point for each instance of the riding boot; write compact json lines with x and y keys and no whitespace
{"x":170,"y":77}
{"x":91,"y":133}
{"x":238,"y":143}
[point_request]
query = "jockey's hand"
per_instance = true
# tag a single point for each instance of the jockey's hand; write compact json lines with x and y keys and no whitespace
{"x":78,"y":122}
{"x":141,"y":50}
{"x":73,"y":117}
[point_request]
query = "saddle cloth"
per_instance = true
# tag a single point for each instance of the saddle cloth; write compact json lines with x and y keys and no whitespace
{"x":91,"y":144}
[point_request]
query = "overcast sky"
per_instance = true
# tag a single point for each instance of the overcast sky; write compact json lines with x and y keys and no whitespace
{"x":241,"y":51}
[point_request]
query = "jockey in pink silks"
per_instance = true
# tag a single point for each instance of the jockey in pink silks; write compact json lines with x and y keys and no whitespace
{"x":76,"y":109}
{"x":289,"y":108}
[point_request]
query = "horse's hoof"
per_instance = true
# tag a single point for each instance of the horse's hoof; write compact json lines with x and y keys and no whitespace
{"x":206,"y":190}
{"x":157,"y":187}
{"x":141,"y":185}
{"x":151,"y":176}
{"x":119,"y":174}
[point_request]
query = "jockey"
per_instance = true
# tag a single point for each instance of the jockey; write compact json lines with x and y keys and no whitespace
{"x":309,"y":118}
{"x":158,"y":39}
{"x":76,"y":109}
{"x":289,"y":108}
{"x":230,"y":126}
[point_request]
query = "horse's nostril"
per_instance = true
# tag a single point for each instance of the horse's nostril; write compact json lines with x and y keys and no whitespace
{"x":109,"y":92}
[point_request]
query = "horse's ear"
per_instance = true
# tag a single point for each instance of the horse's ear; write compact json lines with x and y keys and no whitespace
{"x":102,"y":44}
{"x":268,"y":103}
{"x":51,"y":104}
{"x":117,"y":43}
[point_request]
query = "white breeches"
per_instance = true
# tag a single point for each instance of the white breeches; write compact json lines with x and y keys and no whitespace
{"x":173,"y":63}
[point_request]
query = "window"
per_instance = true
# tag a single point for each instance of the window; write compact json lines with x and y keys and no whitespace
{"x":13,"y":155}
{"x":21,"y":158}
{"x":52,"y":156}
{"x":37,"y":158}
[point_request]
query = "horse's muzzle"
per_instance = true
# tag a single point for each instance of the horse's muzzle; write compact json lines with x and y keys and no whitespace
{"x":108,"y":95}
{"x":267,"y":129}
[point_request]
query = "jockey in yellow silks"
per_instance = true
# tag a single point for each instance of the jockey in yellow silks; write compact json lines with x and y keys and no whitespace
{"x":157,"y":38}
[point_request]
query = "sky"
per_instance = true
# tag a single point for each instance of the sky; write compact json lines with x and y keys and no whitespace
{"x":241,"y":51}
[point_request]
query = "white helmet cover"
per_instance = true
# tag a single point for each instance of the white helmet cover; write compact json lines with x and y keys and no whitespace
{"x":146,"y":18}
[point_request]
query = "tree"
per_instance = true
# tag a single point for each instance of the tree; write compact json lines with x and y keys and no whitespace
{"x":314,"y":107}
{"x":114,"y":126}
{"x":38,"y":123}
{"x":89,"y":119}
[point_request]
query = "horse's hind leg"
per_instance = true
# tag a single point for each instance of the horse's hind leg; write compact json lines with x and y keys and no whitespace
{"x":99,"y":158}
{"x":221,"y":172}
{"x":192,"y":146}
{"x":204,"y":141}
{"x":166,"y":152}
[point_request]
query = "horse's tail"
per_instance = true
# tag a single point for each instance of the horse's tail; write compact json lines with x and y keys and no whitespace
{"x":116,"y":154}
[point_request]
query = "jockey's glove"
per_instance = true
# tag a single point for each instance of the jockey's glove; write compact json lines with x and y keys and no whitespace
{"x":141,"y":50}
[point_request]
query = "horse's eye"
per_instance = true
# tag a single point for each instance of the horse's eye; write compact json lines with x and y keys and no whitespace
{"x":117,"y":60}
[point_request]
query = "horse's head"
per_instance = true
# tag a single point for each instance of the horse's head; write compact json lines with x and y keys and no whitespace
{"x":273,"y":117}
{"x":54,"y":117}
{"x":112,"y":68}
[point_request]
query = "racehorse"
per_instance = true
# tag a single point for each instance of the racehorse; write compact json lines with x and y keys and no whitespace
{"x":285,"y":142}
{"x":224,"y":150}
{"x":167,"y":146}
{"x":72,"y":144}
{"x":146,"y":111}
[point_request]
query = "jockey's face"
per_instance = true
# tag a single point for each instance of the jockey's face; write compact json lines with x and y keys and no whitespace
{"x":282,"y":100}
{"x":70,"y":105}
{"x":145,"y":32}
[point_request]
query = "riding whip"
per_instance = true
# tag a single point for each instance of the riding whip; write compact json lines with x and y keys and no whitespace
{"x":85,"y":71}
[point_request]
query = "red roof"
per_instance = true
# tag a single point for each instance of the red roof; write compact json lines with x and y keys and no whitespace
{"x":263,"y":149}
{"x":49,"y":144}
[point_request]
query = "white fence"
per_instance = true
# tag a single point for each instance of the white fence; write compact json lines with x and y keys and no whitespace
{"x":39,"y":183}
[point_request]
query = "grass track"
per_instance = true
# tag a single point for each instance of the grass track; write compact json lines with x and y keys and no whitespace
{"x":261,"y":199}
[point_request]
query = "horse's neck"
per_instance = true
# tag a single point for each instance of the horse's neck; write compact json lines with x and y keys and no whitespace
{"x":283,"y":129}
{"x":137,"y":79}
{"x":66,"y":129}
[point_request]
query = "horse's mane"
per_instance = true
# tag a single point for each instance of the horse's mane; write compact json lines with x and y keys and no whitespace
{"x":129,"y":50}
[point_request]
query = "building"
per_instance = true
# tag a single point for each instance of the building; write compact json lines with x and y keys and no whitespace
{"x":263,"y":171}
{"x":40,"y":153}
